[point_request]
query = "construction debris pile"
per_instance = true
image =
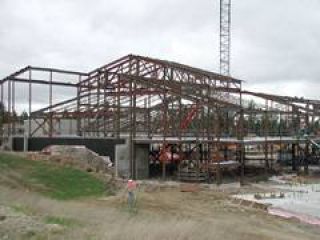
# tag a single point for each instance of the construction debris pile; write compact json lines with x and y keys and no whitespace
{"x":77,"y":156}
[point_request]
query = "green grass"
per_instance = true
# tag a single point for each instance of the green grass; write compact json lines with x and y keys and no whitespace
{"x":62,"y":183}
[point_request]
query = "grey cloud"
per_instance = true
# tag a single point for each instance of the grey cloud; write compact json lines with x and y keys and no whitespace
{"x":279,"y":40}
{"x":272,"y":41}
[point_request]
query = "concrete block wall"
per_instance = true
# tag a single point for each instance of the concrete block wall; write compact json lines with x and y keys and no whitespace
{"x":122,"y":160}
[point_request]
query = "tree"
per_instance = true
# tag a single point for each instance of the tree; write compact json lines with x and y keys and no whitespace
{"x":23,"y":116}
{"x":252,"y":118}
{"x":2,"y":111}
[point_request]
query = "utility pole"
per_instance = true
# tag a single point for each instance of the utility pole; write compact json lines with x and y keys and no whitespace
{"x":225,"y":36}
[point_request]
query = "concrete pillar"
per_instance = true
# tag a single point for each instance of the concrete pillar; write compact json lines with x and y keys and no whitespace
{"x":122,"y":159}
{"x":242,"y":161}
{"x":141,"y":159}
{"x":25,"y":143}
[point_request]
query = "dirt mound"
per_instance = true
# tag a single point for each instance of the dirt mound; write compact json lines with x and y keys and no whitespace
{"x":79,"y":156}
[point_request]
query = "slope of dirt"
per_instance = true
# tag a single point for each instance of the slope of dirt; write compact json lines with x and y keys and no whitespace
{"x":159,"y":215}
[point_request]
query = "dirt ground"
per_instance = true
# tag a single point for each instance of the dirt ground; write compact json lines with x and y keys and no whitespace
{"x":167,"y":214}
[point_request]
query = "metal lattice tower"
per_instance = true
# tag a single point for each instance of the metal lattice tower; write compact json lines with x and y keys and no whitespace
{"x":225,"y":36}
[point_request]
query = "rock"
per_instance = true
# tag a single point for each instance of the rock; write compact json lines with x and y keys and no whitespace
{"x":189,"y":188}
{"x":55,"y":228}
{"x":258,"y":196}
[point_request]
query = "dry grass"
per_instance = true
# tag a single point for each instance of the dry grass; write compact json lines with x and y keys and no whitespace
{"x":161,"y":215}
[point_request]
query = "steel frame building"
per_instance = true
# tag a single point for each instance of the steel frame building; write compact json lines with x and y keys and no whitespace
{"x":151,"y":100}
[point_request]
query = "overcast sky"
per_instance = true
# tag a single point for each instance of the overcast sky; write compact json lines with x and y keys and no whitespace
{"x":275,"y":43}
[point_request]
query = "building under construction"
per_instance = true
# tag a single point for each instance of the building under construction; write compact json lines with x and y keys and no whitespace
{"x":163,"y":119}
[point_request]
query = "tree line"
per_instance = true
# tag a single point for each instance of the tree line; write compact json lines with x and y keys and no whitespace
{"x":7,"y":117}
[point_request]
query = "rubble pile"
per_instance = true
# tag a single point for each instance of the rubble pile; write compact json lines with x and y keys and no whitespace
{"x":79,"y":156}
